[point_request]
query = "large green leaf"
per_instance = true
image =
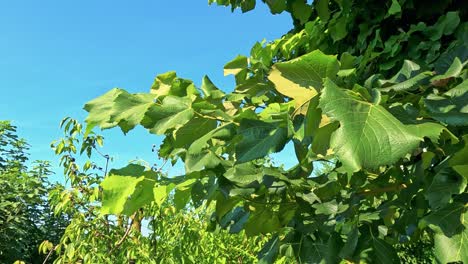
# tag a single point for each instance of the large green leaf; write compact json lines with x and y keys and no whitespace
{"x":174,"y":112}
{"x":449,"y":220}
{"x":245,"y":173}
{"x":301,"y":11}
{"x":100,"y":109}
{"x":454,"y":247}
{"x":383,"y":252}
{"x":262,"y":221}
{"x":260,"y":139}
{"x":445,"y":184}
{"x":129,"y":109}
{"x":127,"y":189}
{"x":316,"y":251}
{"x":368,"y":136}
{"x":201,"y":160}
{"x":192,"y":131}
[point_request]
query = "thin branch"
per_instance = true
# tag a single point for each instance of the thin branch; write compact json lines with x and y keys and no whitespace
{"x":127,"y":232}
{"x":50,"y":254}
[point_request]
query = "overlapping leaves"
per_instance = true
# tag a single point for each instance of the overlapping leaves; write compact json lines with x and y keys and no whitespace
{"x":389,"y":117}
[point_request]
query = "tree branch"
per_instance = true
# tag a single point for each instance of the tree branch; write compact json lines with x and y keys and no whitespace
{"x":127,"y":232}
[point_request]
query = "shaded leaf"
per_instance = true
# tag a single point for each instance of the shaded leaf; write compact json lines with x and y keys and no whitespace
{"x":368,"y":136}
{"x":259,"y":139}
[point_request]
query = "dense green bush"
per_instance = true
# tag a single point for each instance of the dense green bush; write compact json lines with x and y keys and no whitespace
{"x":25,"y":215}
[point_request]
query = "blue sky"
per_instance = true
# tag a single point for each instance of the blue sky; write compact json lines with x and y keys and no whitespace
{"x":56,"y":55}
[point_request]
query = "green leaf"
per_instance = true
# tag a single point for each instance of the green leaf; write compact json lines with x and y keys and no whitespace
{"x":174,"y":112}
{"x":210,"y":90}
{"x":322,"y":9}
{"x":408,"y":78}
{"x":244,"y":174}
{"x":395,"y":8}
{"x":329,"y":208}
{"x":446,"y":25}
{"x":453,"y":71}
{"x":262,"y":221}
{"x":454,"y":247}
{"x":383,"y":252}
{"x":322,"y":138}
{"x":181,"y":198}
{"x":260,"y":139}
{"x":276,"y":6}
{"x":311,"y":251}
{"x":161,"y":192}
{"x":269,"y":251}
{"x":192,"y":130}
{"x":448,"y":220}
{"x":450,"y":108}
{"x":201,"y":160}
{"x":236,"y":65}
{"x":301,"y":11}
{"x":100,"y":109}
{"x":129,"y":109}
{"x":459,"y":162}
{"x":301,"y":78}
{"x":220,"y":132}
{"x":169,"y":84}
{"x":338,"y":26}
{"x":127,"y":189}
{"x":368,"y":136}
{"x":445,"y":184}
{"x":116,"y":191}
{"x":247,"y":5}
{"x":347,"y":252}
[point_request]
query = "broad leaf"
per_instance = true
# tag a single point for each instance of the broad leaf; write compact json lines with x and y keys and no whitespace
{"x":127,"y":189}
{"x":445,"y":184}
{"x":259,"y":139}
{"x":383,"y":252}
{"x":453,"y":248}
{"x":449,"y":220}
{"x":172,"y":113}
{"x":100,"y":109}
{"x":368,"y":136}
{"x":129,"y":109}
{"x":301,"y":78}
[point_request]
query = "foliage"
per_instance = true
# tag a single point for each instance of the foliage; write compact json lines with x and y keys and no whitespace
{"x":377,"y":87}
{"x":25,"y":215}
{"x":153,"y":233}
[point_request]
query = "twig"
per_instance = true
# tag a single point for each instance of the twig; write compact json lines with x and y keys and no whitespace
{"x":129,"y":228}
{"x":50,"y":254}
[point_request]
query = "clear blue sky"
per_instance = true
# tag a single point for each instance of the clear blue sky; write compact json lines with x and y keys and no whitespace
{"x":56,"y":55}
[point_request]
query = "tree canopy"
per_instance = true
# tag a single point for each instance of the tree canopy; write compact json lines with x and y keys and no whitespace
{"x":378,"y":89}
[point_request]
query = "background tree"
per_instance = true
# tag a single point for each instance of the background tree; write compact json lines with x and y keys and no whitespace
{"x":25,"y":215}
{"x":161,"y":231}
